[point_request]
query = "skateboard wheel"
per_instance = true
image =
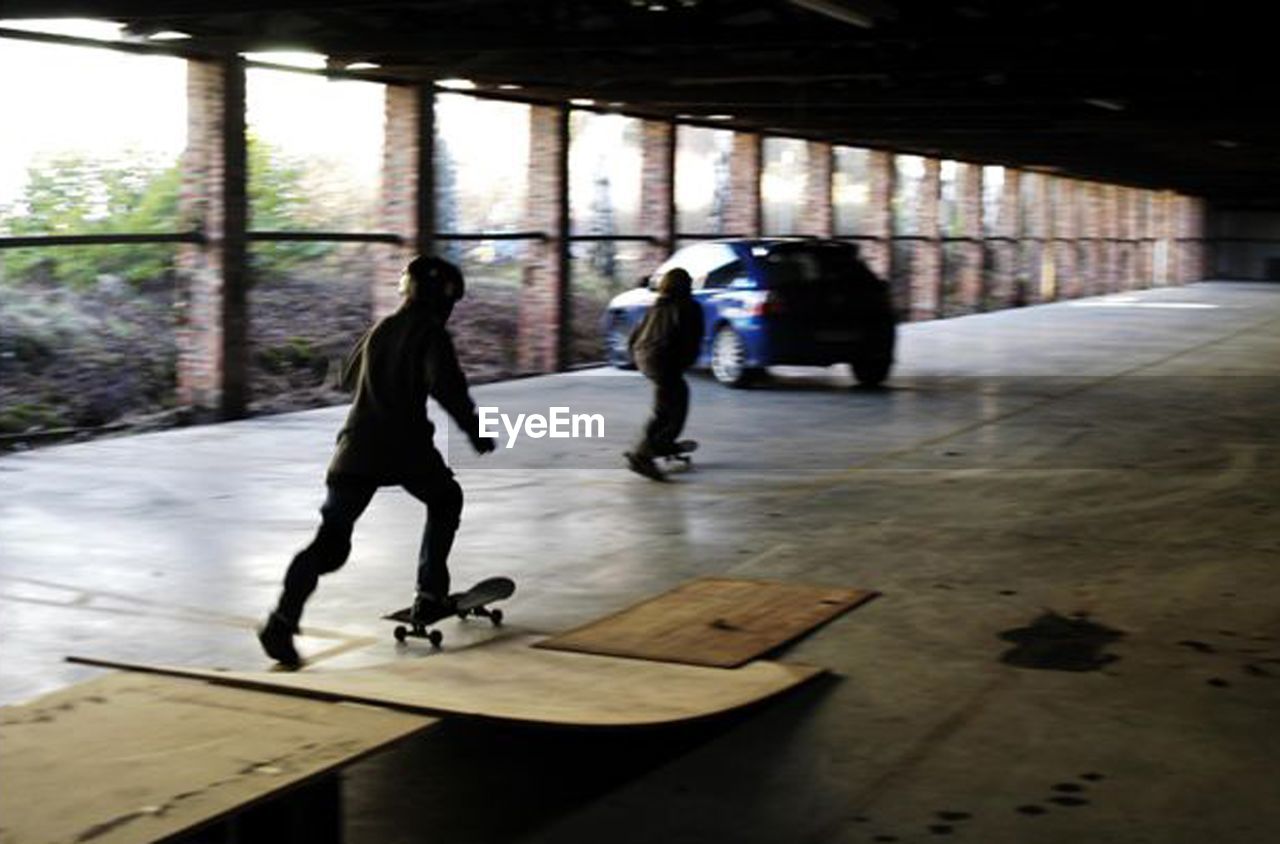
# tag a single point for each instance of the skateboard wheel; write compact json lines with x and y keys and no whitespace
{"x":400,"y":633}
{"x":435,"y":637}
{"x":496,"y":617}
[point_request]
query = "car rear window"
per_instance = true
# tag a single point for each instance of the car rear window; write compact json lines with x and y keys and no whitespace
{"x":807,"y":264}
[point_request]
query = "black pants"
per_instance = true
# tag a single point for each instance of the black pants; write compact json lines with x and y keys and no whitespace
{"x":347,"y":498}
{"x":670,"y":410}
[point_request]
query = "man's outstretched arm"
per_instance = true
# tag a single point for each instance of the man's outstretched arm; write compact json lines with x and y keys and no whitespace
{"x":448,"y":386}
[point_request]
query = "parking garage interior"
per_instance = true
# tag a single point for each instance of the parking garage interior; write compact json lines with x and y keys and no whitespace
{"x":1064,"y":494}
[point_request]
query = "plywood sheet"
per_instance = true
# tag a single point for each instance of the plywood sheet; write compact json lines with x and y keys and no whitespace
{"x":505,"y":678}
{"x":135,"y":757}
{"x":713,"y":621}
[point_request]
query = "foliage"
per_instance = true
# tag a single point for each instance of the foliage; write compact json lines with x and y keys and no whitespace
{"x":603,"y":252}
{"x":279,"y":201}
{"x":74,"y":194}
{"x":78,"y":194}
{"x":446,"y":173}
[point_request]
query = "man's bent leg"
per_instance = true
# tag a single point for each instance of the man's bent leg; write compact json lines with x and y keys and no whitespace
{"x":670,"y":409}
{"x":677,"y":408}
{"x":443,"y":498}
{"x":651,"y":438}
{"x":347,"y":498}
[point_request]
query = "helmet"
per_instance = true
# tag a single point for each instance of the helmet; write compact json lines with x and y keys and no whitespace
{"x":434,"y":283}
{"x":675,"y":282}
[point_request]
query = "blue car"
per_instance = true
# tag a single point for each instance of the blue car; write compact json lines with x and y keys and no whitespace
{"x":768,"y":302}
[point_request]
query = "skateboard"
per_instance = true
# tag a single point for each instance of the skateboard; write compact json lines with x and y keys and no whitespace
{"x":473,"y":602}
{"x":681,"y":449}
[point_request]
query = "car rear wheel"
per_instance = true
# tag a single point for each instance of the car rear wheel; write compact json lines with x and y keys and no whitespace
{"x":871,"y":370}
{"x":729,"y":359}
{"x":618,"y":349}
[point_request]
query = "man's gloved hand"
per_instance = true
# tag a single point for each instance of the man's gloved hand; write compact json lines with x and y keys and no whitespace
{"x":484,"y":445}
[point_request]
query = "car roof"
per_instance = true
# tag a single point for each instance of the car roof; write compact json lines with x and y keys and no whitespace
{"x":769,"y":242}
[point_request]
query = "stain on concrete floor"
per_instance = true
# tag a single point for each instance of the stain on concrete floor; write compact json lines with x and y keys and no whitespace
{"x":1057,"y":643}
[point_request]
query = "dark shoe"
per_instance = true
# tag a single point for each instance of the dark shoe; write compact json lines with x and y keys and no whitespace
{"x":428,"y":609}
{"x":276,"y":638}
{"x":642,"y":464}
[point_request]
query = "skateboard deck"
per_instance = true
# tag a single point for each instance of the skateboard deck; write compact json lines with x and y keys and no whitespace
{"x":473,"y":602}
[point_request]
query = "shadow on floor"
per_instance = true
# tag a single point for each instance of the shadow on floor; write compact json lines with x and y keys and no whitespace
{"x":480,"y":781}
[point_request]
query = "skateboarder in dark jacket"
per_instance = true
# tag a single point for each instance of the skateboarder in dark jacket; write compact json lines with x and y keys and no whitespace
{"x":387,"y":441}
{"x":664,"y":345}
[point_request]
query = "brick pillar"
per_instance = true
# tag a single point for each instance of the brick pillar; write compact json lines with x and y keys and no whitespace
{"x":406,"y":205}
{"x":1107,"y":227}
{"x":817,"y":213}
{"x":1038,"y":251}
{"x":1066,"y":231}
{"x":1121,"y":232}
{"x":878,"y":253}
{"x":1173,"y":212}
{"x":969,"y":252}
{"x":1004,"y":279}
{"x":213,"y":318}
{"x":657,"y":188}
{"x":1120,"y":229}
{"x":1182,"y":223}
{"x":544,"y":319}
{"x":1101,"y":231}
{"x":1089,"y":232}
{"x":1198,"y":264}
{"x":1191,"y":270}
{"x":743,"y":210}
{"x":1142,"y":234}
{"x":1177,"y":233}
{"x":1102,"y":225}
{"x":1084,"y":249}
{"x":1129,"y":233}
{"x":926,"y":267}
{"x":1163,"y":253}
{"x":1188,"y":247}
{"x":1159,"y":247}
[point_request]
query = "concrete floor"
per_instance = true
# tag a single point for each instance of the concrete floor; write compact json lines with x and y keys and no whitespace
{"x":1114,"y":457}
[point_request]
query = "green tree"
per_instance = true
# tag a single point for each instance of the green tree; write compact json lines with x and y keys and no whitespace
{"x":77,"y":194}
{"x":278,"y":202}
{"x":73,"y":194}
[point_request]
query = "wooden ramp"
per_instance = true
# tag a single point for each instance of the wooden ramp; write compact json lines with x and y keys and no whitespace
{"x":505,"y":678}
{"x":133,"y":757}
{"x":713,"y":621}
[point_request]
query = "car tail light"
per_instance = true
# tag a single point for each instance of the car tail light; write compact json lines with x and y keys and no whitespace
{"x":770,"y":305}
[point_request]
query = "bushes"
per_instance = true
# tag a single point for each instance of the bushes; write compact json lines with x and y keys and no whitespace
{"x":82,"y":358}
{"x":87,"y":332}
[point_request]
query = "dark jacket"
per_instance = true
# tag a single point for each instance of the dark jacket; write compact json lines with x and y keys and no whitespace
{"x":403,"y":359}
{"x":669,"y":337}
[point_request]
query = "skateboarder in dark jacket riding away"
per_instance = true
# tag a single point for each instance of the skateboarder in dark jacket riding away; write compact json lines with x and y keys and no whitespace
{"x":664,"y":345}
{"x":387,"y":441}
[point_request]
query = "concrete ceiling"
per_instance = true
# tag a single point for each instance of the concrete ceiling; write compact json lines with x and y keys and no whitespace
{"x":1156,"y":95}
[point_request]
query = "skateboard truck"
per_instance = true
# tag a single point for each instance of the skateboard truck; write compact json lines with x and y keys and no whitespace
{"x":680,"y":450}
{"x":435,"y":637}
{"x":473,"y":602}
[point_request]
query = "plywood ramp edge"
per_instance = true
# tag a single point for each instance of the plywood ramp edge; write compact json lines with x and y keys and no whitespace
{"x":507,"y":679}
{"x":130,"y":757}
